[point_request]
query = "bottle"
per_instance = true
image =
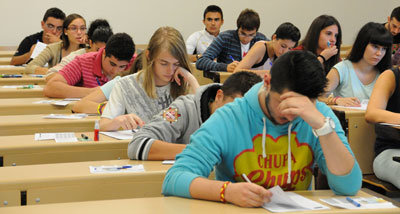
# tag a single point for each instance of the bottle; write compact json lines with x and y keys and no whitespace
{"x":96,"y":130}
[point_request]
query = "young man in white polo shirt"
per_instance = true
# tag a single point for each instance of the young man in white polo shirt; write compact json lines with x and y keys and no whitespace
{"x":198,"y":42}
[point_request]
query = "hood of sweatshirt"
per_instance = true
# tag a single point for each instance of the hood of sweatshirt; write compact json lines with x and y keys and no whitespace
{"x":202,"y":97}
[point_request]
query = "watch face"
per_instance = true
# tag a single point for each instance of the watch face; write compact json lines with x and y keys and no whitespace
{"x":332,"y":123}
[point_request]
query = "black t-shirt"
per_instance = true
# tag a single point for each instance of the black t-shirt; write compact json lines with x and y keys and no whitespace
{"x":388,"y":137}
{"x":26,"y":44}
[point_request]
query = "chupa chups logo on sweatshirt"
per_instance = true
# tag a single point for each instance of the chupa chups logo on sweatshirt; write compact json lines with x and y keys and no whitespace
{"x":273,"y":170}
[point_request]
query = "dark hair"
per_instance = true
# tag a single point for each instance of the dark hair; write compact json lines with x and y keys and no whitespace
{"x":213,"y":8}
{"x":239,"y":83}
{"x":95,"y":24}
{"x":70,"y":18}
{"x":121,"y":46}
{"x":137,"y":64}
{"x":298,"y":71}
{"x":395,"y":13}
{"x":248,"y":20}
{"x":376,"y":34}
{"x":311,"y":40}
{"x":288,"y":31}
{"x":101,"y":34}
{"x":55,"y":13}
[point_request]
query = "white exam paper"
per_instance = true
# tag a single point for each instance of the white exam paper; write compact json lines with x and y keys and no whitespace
{"x":120,"y":135}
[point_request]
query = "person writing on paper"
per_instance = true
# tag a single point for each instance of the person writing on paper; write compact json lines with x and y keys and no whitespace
{"x":98,"y":34}
{"x":73,"y":38}
{"x":263,"y":53}
{"x":231,"y":46}
{"x":323,"y":38}
{"x":384,"y":107}
{"x":88,"y":71}
{"x":353,"y":79}
{"x":198,"y":42}
{"x":95,"y":102}
{"x":274,"y":135}
{"x":163,"y":138}
{"x":136,"y":98}
{"x":52,"y":28}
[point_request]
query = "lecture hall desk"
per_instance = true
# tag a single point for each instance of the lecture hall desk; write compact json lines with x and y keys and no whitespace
{"x":24,"y":150}
{"x":360,"y":134}
{"x":20,"y":93}
{"x":31,"y":124}
{"x":20,"y":106}
{"x":173,"y":205}
{"x":24,"y":80}
{"x":5,"y":60}
{"x":12,"y":70}
{"x":72,"y":182}
{"x":6,"y":53}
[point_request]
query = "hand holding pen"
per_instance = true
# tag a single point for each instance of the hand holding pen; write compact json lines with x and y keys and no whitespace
{"x":231,"y":66}
{"x":329,"y":51}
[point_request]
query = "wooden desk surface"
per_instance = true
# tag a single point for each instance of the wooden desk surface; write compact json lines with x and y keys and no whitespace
{"x":24,"y":150}
{"x":5,"y":60}
{"x":20,"y":106}
{"x":71,"y":182}
{"x":24,"y":80}
{"x":12,"y":70}
{"x":31,"y":124}
{"x":218,"y":77}
{"x":21,"y":93}
{"x":361,"y":137}
{"x":172,"y":205}
{"x":6,"y":53}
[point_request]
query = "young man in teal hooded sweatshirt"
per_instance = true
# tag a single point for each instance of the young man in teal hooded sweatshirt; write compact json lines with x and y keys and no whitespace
{"x":254,"y":135}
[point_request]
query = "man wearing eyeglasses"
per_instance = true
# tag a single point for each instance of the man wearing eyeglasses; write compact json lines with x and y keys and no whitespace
{"x":231,"y":46}
{"x":52,"y":25}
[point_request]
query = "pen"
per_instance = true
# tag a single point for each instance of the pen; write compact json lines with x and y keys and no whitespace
{"x":246,"y":178}
{"x":231,"y":58}
{"x":355,"y":203}
{"x":84,"y":136}
{"x":112,"y":168}
{"x":329,"y":44}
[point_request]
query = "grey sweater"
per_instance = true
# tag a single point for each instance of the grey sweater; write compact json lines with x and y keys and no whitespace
{"x":189,"y":108}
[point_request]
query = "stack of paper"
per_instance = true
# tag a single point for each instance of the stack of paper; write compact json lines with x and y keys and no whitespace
{"x":40,"y":46}
{"x":65,"y":116}
{"x":366,"y":203}
{"x":116,"y":168}
{"x":120,"y":135}
{"x":290,"y":202}
{"x":61,"y":137}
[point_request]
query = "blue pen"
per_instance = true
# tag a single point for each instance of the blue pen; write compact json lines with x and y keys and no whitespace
{"x":125,"y":167}
{"x":329,"y":44}
{"x":231,"y":58}
{"x":355,"y":203}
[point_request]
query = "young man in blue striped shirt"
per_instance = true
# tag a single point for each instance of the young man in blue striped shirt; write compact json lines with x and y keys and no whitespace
{"x":231,"y":46}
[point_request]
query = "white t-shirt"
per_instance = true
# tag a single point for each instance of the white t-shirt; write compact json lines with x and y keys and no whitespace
{"x":129,"y":97}
{"x":245,"y":49}
{"x":199,"y":41}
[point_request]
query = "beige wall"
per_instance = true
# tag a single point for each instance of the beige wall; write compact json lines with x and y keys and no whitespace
{"x":140,"y":19}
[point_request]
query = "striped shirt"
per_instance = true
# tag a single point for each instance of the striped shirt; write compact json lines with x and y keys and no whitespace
{"x":85,"y":70}
{"x":225,"y":45}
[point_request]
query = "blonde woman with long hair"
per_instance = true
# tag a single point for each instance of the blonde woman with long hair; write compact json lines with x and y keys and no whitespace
{"x":166,"y":74}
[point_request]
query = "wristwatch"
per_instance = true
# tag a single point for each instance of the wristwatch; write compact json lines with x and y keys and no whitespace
{"x":327,"y":128}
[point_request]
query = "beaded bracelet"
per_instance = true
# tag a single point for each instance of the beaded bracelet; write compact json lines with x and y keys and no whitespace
{"x":100,"y":108}
{"x":334,"y":100}
{"x":222,"y":192}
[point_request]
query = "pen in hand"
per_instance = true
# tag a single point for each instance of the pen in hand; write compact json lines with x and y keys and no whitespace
{"x":231,"y":58}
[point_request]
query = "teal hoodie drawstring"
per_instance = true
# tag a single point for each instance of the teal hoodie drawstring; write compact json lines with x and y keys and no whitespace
{"x":289,"y":180}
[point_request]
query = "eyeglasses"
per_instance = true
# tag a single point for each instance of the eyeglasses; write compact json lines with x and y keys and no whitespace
{"x":51,"y":27}
{"x":245,"y":35}
{"x":75,"y":28}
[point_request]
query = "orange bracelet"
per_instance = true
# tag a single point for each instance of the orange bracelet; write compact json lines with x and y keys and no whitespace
{"x":222,"y":192}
